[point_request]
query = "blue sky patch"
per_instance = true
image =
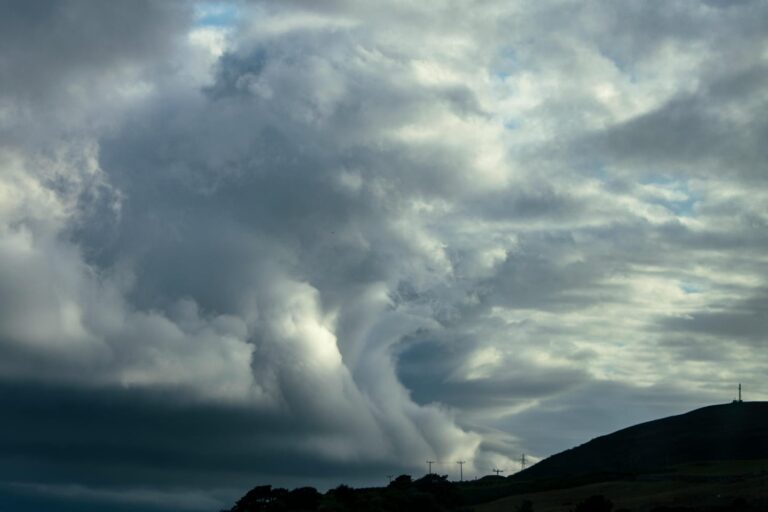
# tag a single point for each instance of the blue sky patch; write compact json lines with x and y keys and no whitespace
{"x":216,"y":14}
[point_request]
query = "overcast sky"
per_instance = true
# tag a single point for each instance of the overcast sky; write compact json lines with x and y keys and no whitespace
{"x":314,"y":242}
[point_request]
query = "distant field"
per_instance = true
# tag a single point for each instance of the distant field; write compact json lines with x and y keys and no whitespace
{"x":699,"y":484}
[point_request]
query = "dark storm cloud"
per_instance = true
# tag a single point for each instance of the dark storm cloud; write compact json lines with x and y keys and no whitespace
{"x":67,"y":66}
{"x":142,"y":450}
{"x":529,"y":278}
{"x":537,"y":201}
{"x":428,"y":370}
{"x":230,"y":236}
{"x":698,"y":132}
{"x":133,"y":437}
{"x":50,"y":46}
{"x":692,"y":347}
{"x":710,"y":126}
{"x":743,"y":320}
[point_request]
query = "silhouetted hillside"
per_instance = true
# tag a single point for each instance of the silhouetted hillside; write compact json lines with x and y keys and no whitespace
{"x":716,"y":486}
{"x":736,"y":431}
{"x":611,"y":464}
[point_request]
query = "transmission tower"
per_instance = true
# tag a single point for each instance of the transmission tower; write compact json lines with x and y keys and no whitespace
{"x":522,"y":462}
{"x":429,"y":463}
{"x":461,"y":469}
{"x":497,"y":471}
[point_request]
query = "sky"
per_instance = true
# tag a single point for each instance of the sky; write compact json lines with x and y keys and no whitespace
{"x":322,"y":242}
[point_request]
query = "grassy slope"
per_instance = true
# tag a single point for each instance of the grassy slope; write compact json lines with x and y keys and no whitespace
{"x":719,"y":432}
{"x":693,"y":484}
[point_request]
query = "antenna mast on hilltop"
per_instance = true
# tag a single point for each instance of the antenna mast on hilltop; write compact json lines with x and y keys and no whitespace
{"x":461,"y":469}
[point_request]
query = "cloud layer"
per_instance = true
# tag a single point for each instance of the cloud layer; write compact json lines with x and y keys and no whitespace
{"x":306,"y":244}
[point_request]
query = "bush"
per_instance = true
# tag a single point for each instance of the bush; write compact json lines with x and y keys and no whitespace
{"x":401,"y":482}
{"x":304,"y":499}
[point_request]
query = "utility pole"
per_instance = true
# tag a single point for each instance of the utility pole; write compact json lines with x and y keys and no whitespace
{"x":522,"y":462}
{"x":430,"y":462}
{"x":461,"y":469}
{"x":497,"y":471}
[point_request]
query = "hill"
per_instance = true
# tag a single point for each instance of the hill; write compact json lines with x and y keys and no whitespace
{"x":715,"y":486}
{"x":713,"y":459}
{"x":736,"y":431}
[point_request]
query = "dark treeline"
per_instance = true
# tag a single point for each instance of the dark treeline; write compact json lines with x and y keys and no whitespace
{"x":429,"y":493}
{"x":432,"y":493}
